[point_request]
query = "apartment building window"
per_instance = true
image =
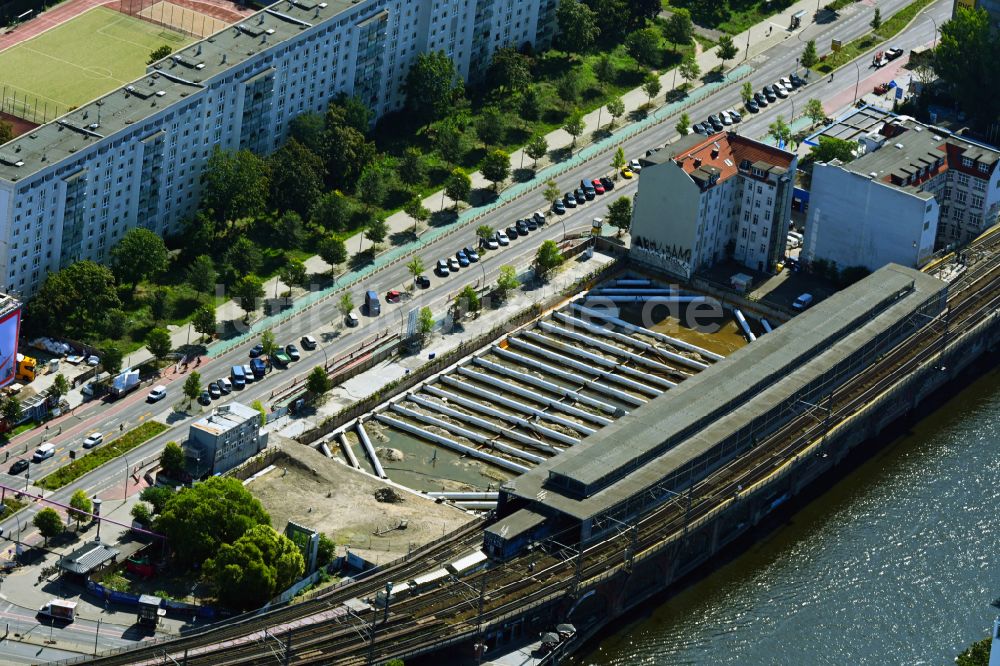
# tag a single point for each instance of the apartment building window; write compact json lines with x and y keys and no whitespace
{"x":966,"y":162}
{"x":963,"y":179}
{"x":961,"y":196}
{"x":979,"y":184}
{"x":977,"y":201}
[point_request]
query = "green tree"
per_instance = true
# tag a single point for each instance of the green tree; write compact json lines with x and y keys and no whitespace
{"x":49,"y":523}
{"x":248,"y":291}
{"x":111,"y":359}
{"x":618,"y":161}
{"x":259,"y":406}
{"x":727,"y":50}
{"x":198,"y":520}
{"x":348,"y":152}
{"x":547,"y":258}
{"x":620,"y":214}
{"x":577,"y":26}
{"x":268,"y":343}
{"x":157,"y":496}
{"x":309,"y":129}
{"x":449,"y":140}
{"x":569,"y":86}
{"x":204,"y":320}
{"x":412,"y":168}
{"x":651,"y":86}
{"x":467,"y":300}
{"x":814,"y":109}
{"x":254,"y":568}
{"x":977,"y":654}
{"x":831,"y":148}
{"x":551,"y":191}
{"x":114,"y":324}
{"x":345,"y":304}
{"x":10,"y":410}
{"x":491,"y":125}
{"x":509,"y":71}
{"x":139,"y":255}
{"x":679,"y":30}
{"x":809,"y":55}
{"x":689,"y":69}
{"x":415,"y":266}
{"x":373,"y":185}
{"x":965,"y":58}
{"x":141,"y":514}
{"x":574,"y":125}
{"x":59,"y":388}
{"x":158,"y":343}
{"x":484,"y":231}
{"x":172,"y":460}
{"x":243,"y":256}
{"x":376,"y":230}
{"x":80,"y":507}
{"x":159,"y":303}
{"x":235,"y":185}
{"x":644,"y":46}
{"x":296,"y":177}
{"x":325,"y":551}
{"x":683,"y":125}
{"x":432,"y":86}
{"x":332,"y":212}
{"x":350,"y":112}
{"x":506,"y":281}
{"x":332,"y":250}
{"x":605,"y":69}
{"x":425,"y":322}
{"x":6,"y":132}
{"x":74,"y":299}
{"x":495,"y":167}
{"x":531,"y":103}
{"x":458,"y":187}
{"x":192,"y":387}
{"x":317,"y":382}
{"x":415,"y":209}
{"x":536,"y":149}
{"x":780,"y":130}
{"x":746,"y":91}
{"x":616,"y":109}
{"x":294,"y":273}
{"x":159,"y":53}
{"x":876,"y":21}
{"x":201,"y":274}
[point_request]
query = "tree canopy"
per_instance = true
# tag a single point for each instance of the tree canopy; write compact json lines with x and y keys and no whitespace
{"x":495,"y":167}
{"x":200,"y":519}
{"x":172,"y":460}
{"x":831,"y":148}
{"x":236,"y":184}
{"x":547,"y":258}
{"x":509,"y":71}
{"x":49,"y":523}
{"x":432,"y":86}
{"x":333,"y":212}
{"x":317,"y":381}
{"x":620,"y":214}
{"x":679,"y":29}
{"x":966,"y":59}
{"x":254,"y":568}
{"x":74,"y":300}
{"x":297,"y":176}
{"x":644,"y":46}
{"x":248,"y":290}
{"x":80,"y":506}
{"x":577,"y":26}
{"x":458,"y":187}
{"x":158,"y":343}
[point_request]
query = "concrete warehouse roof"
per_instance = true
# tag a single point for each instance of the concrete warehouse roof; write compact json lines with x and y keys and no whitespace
{"x":87,"y":557}
{"x":170,"y":80}
{"x":640,"y":450}
{"x":225,"y":418}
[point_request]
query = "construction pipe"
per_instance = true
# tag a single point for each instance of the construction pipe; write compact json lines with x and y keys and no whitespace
{"x":451,"y":444}
{"x":370,"y":450}
{"x":632,"y":291}
{"x":655,"y":300}
{"x":742,"y":321}
{"x":345,"y":446}
{"x":456,"y":495}
{"x":530,"y":395}
{"x":477,"y":506}
{"x":499,"y":414}
{"x":633,"y":282}
{"x":325,"y":449}
{"x":537,"y":382}
{"x":484,"y":424}
{"x":680,"y":344}
{"x":604,"y":346}
{"x":766,"y":324}
{"x":624,"y":339}
{"x":576,"y":365}
{"x":569,"y":350}
{"x":569,"y":376}
{"x":470,"y":435}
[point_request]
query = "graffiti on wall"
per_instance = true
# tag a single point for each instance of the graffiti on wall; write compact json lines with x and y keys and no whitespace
{"x":672,"y":258}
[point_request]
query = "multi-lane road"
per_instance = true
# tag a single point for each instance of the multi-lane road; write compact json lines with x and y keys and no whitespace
{"x":323,"y":320}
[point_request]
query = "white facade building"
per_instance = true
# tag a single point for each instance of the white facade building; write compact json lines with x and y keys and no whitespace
{"x":223,"y":439}
{"x":71,"y":188}
{"x":706,"y":199}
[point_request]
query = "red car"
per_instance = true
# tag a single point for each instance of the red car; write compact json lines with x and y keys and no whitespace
{"x":598,"y":185}
{"x":392,"y":296}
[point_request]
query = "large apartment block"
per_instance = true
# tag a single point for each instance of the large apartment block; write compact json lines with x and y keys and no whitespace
{"x":71,"y":188}
{"x":911,"y":190}
{"x":706,"y":199}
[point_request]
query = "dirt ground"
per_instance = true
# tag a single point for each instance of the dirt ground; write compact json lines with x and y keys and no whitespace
{"x":312,"y":490}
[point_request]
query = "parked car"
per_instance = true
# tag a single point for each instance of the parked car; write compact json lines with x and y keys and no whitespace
{"x":698,"y":128}
{"x":531,"y":224}
{"x":802,"y":302}
{"x":213,"y":390}
{"x":581,"y":196}
{"x":779,"y":90}
{"x":352,"y":319}
{"x":771,"y":97}
{"x":570,"y":200}
{"x":598,"y":185}
{"x":892,"y":53}
{"x":501,"y":238}
{"x":558,"y":207}
{"x":512,"y":234}
{"x":391,"y":296}
{"x":796,"y":80}
{"x":761,"y":99}
{"x":471,"y":254}
{"x":489,"y":243}
{"x":752,"y":106}
{"x":248,"y":374}
{"x":422,"y":281}
{"x":293,"y":352}
{"x":725,"y":118}
{"x":589,"y":192}
{"x":608,"y":184}
{"x":256,"y":350}
{"x":205,"y":398}
{"x":156,"y":394}
{"x":714,"y":119}
{"x":225,"y":386}
{"x":454,"y":265}
{"x":539,"y":217}
{"x":627,"y":172}
{"x":308,"y":342}
{"x":521,"y":228}
{"x":280,"y":359}
{"x":717,"y":126}
{"x":93,"y":439}
{"x":787,"y":83}
{"x":635,"y":166}
{"x":19,"y":466}
{"x":463,"y":261}
{"x":735,"y":115}
{"x":442,"y":267}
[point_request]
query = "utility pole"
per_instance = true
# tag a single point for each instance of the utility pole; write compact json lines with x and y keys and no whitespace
{"x":480,"y":647}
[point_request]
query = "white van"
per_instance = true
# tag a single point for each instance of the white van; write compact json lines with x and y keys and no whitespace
{"x":802,"y":302}
{"x":44,"y":452}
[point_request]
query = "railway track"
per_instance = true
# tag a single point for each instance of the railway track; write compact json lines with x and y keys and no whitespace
{"x":422,"y":621}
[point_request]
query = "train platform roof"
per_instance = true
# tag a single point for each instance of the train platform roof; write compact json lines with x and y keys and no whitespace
{"x":637,"y":452}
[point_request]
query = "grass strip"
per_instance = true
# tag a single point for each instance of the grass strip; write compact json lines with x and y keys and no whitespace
{"x":887,"y":30}
{"x":101,"y":455}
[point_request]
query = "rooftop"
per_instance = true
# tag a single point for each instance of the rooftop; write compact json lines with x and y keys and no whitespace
{"x":169,"y":81}
{"x":716,"y":157}
{"x":87,"y":557}
{"x":225,"y":417}
{"x":635,"y":452}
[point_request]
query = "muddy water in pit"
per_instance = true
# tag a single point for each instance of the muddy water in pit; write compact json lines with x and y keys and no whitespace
{"x":716,"y":334}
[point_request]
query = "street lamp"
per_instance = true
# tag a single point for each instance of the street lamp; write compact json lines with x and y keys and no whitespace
{"x":858,"y":83}
{"x":125,"y":491}
{"x":934,"y":43}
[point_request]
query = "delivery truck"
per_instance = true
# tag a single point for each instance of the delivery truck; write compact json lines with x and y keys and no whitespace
{"x":58,"y":609}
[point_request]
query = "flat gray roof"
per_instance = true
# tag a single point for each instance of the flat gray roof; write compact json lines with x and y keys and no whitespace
{"x":772,"y":359}
{"x":516,"y":523}
{"x":171,"y":80}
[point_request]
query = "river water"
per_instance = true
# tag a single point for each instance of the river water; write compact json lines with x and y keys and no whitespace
{"x":895,"y":565}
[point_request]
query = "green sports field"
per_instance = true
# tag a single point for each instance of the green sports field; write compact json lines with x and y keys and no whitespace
{"x":81,"y":59}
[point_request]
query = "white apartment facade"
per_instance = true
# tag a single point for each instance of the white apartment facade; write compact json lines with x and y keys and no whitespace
{"x":705,"y":199}
{"x":71,"y":188}
{"x":912,"y":190}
